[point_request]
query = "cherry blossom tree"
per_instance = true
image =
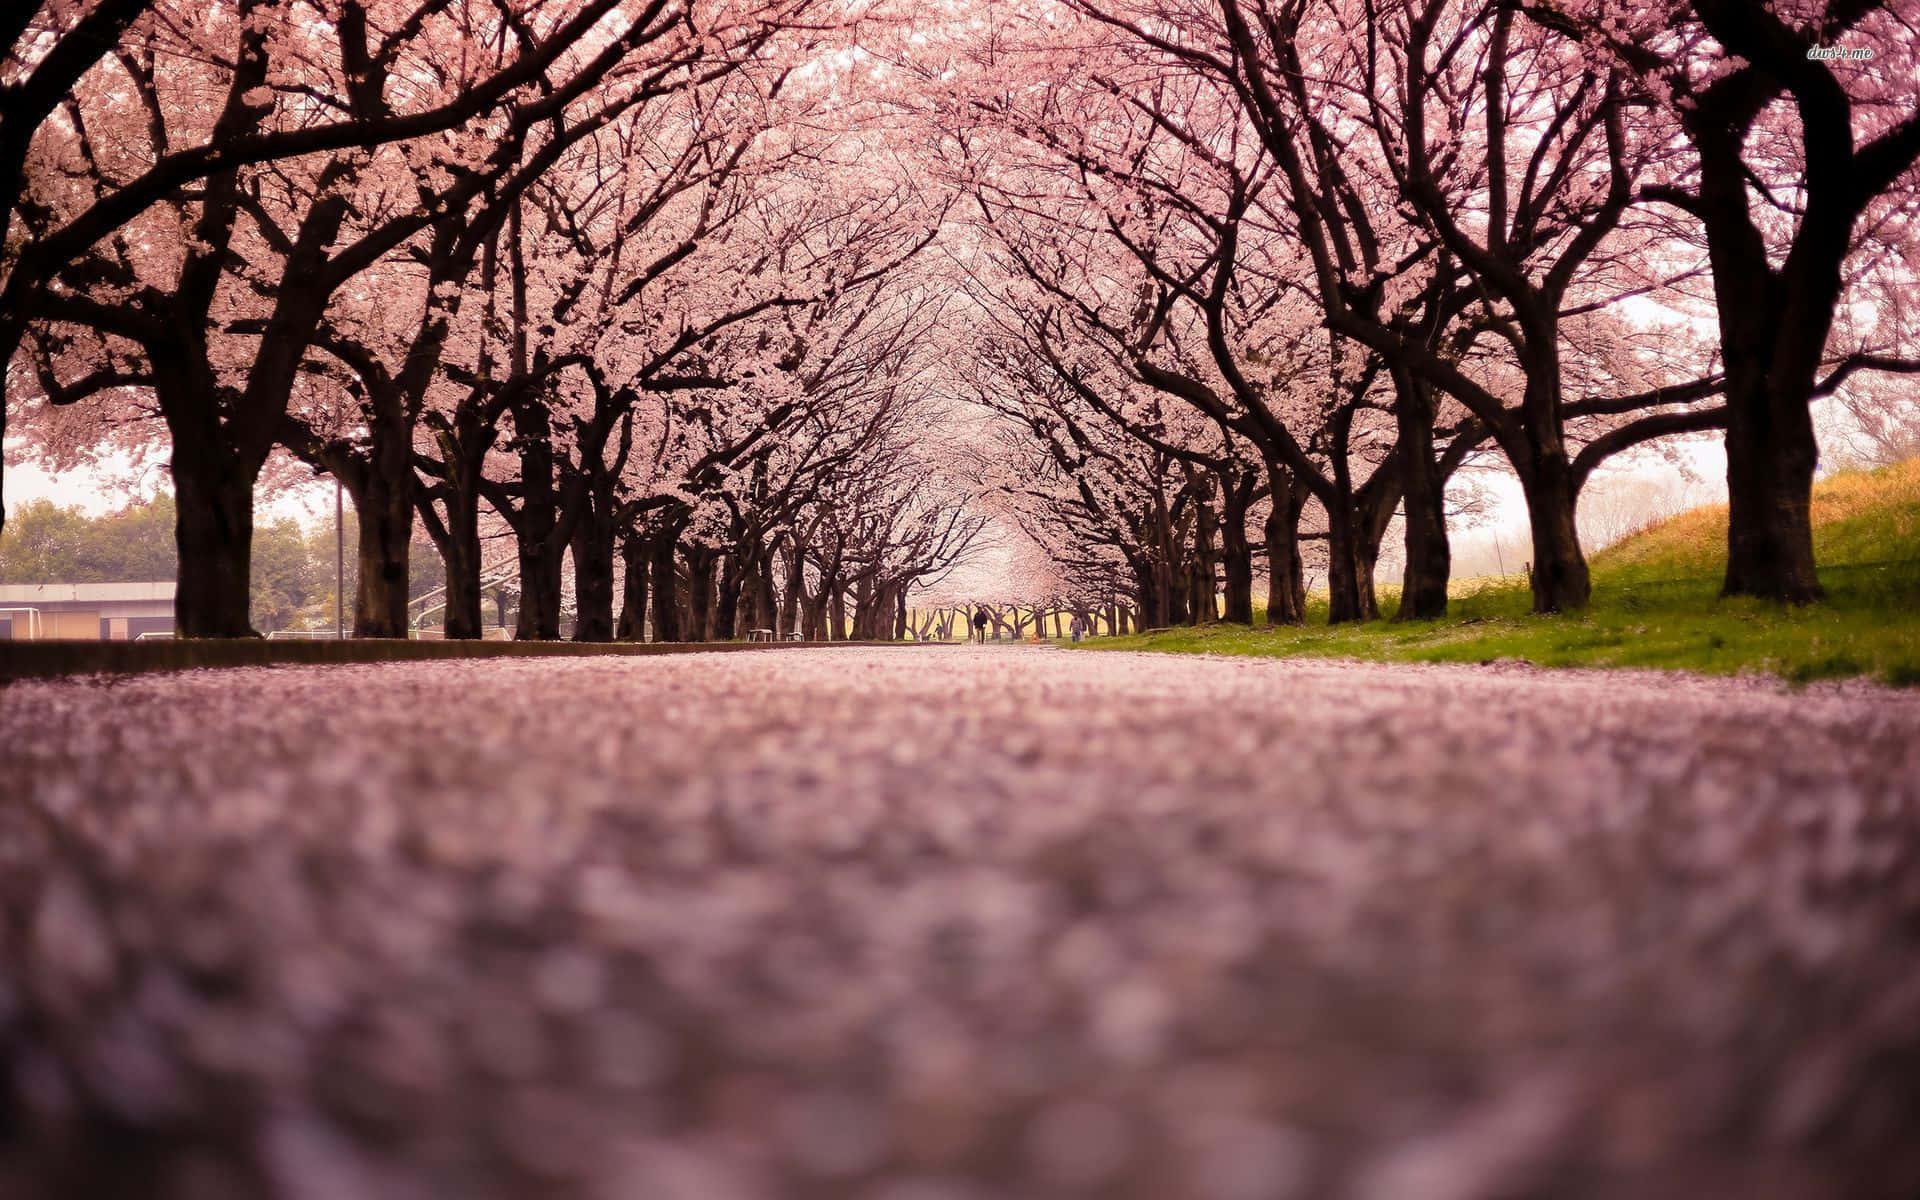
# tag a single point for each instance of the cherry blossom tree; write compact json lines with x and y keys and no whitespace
{"x":195,"y":317}
{"x":684,"y":294}
{"x":1169,"y":247}
{"x":1508,"y":153}
{"x":297,"y":81}
{"x":1802,"y":126}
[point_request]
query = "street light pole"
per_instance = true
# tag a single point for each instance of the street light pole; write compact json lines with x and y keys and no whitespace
{"x":339,"y":567}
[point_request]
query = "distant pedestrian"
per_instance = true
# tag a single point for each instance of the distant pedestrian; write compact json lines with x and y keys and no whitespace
{"x":980,"y":623}
{"x":1079,"y":626}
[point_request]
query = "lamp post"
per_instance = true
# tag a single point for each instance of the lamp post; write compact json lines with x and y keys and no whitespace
{"x":339,"y":567}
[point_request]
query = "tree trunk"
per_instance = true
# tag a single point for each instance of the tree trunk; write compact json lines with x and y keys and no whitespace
{"x":1175,"y":583}
{"x":1349,"y":590}
{"x":1373,"y":512}
{"x":1202,"y":584}
{"x":765,"y":607}
{"x":726,"y":612}
{"x":592,"y":546}
{"x":633,"y":590}
{"x":699,"y":593}
{"x":796,"y":590}
{"x":539,"y":619}
{"x":1774,"y":326}
{"x":1236,"y":553}
{"x":385,"y":513}
{"x":533,"y":527}
{"x":460,"y":551}
{"x":1343,"y":561}
{"x":456,"y":532}
{"x":1423,"y":584}
{"x":837,"y":613}
{"x":1559,"y":569}
{"x":213,"y":533}
{"x":666,"y":604}
{"x":1147,"y":593}
{"x":1286,"y":573}
{"x":1771,"y":456}
{"x":1366,"y":554}
{"x":383,"y":487}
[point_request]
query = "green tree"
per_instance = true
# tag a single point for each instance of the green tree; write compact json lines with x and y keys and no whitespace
{"x":46,"y":543}
{"x":293,"y":565}
{"x":287,"y":573}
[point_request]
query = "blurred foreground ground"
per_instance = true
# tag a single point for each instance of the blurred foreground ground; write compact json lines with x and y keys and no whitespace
{"x":956,"y":924}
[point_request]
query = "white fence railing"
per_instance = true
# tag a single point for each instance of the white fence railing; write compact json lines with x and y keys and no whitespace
{"x":35,"y":630}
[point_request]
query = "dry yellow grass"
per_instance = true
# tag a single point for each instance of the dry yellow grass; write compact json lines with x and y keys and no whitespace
{"x":1858,"y":516}
{"x":1890,"y":492}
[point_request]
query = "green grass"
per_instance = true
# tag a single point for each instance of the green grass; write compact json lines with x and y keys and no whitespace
{"x":1656,"y":604}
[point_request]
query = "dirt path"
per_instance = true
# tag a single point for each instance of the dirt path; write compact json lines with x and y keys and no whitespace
{"x":960,"y":924}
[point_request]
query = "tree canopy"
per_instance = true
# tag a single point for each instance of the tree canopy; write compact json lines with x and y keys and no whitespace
{"x":693,"y":318}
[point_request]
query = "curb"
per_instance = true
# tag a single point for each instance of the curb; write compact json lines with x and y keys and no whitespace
{"x":53,"y":659}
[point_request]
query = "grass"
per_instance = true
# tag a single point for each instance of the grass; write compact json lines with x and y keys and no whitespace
{"x":1656,"y":603}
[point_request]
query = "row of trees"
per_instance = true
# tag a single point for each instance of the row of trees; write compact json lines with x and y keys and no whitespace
{"x":1259,"y":273}
{"x":631,"y":284}
{"x":294,"y":565}
{"x":681,"y":295}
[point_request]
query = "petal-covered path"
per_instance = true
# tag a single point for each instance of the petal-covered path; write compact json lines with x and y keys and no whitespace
{"x":956,"y":924}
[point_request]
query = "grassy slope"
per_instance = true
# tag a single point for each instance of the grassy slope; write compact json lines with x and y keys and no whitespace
{"x":1655,"y":604}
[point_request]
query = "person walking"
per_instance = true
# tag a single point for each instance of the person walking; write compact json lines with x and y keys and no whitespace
{"x":1079,"y":626}
{"x":980,"y":624}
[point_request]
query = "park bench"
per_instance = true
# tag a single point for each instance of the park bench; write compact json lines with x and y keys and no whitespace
{"x":760,"y":635}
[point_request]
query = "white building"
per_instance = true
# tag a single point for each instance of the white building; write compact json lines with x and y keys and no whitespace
{"x":85,"y":611}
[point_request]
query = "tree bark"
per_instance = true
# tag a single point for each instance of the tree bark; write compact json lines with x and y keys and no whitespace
{"x":1774,"y":325}
{"x":699,"y":593}
{"x":1560,"y":580}
{"x":213,"y":533}
{"x":384,"y":508}
{"x":1202,"y":583}
{"x":1559,"y":569}
{"x":1349,"y":565}
{"x":633,"y":590}
{"x":1236,"y":553}
{"x":533,"y":527}
{"x":460,"y":551}
{"x":463,"y":447}
{"x":790,"y":619}
{"x":592,"y":546}
{"x":837,"y":613}
{"x":1771,"y":455}
{"x":666,"y":603}
{"x":539,"y":619}
{"x":1423,"y":584}
{"x":1286,"y":573}
{"x":726,"y":613}
{"x":765,"y":610}
{"x":1343,"y":562}
{"x":1146,"y":592}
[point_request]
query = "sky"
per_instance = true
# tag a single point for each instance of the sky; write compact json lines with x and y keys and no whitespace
{"x":123,"y":480}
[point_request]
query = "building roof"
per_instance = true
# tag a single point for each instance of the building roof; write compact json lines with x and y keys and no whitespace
{"x":82,"y":593}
